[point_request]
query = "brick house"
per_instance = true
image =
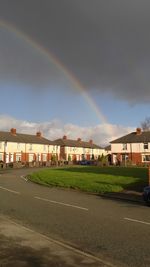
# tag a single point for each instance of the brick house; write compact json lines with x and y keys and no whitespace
{"x":17,"y":147}
{"x":78,"y":150}
{"x":134,"y":147}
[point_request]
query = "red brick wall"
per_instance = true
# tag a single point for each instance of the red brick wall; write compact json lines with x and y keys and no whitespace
{"x":136,"y":158}
{"x":88,"y":156}
{"x":74,"y":157}
{"x":62,"y":153}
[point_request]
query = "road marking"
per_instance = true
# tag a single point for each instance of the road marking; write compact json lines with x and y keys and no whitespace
{"x":66,"y":246}
{"x":9,"y":190}
{"x":61,"y":203}
{"x":24,"y":178}
{"x":133,"y":220}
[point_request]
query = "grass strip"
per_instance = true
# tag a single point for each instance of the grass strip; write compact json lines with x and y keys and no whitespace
{"x":93,"y":179}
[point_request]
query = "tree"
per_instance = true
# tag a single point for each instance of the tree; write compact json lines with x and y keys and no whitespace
{"x":146,"y":124}
{"x":92,"y":158}
{"x":99,"y":158}
{"x":53,"y":157}
{"x":69,"y":158}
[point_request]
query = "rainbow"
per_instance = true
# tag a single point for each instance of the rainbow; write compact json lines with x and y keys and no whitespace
{"x":53,"y":59}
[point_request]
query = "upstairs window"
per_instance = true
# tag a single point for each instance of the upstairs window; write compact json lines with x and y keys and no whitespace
{"x":145,"y":145}
{"x":18,"y":146}
{"x":124,"y":146}
{"x":30,"y":147}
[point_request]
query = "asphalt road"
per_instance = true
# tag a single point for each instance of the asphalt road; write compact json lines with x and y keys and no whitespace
{"x":116,"y":232}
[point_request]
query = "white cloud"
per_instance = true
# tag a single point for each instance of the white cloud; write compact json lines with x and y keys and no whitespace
{"x":101,"y":134}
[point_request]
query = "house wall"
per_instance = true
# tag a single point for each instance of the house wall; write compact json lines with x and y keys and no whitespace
{"x":76,"y":153}
{"x":134,"y":152}
{"x":131,"y":148}
{"x":12,"y":151}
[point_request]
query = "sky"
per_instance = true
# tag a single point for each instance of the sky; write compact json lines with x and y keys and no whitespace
{"x":75,"y":68}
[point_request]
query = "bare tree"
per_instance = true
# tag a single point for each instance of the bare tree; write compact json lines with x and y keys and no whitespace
{"x":146,"y":124}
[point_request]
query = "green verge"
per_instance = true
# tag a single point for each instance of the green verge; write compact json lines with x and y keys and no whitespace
{"x":93,"y":179}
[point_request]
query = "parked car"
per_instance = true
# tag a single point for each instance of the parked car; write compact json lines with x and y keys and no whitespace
{"x":146,"y":194}
{"x":84,"y":162}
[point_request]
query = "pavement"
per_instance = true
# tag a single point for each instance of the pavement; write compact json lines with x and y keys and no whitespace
{"x":23,"y":247}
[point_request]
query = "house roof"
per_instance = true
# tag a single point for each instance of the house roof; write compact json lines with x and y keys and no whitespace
{"x":143,"y":137}
{"x":75,"y":143}
{"x":23,"y":138}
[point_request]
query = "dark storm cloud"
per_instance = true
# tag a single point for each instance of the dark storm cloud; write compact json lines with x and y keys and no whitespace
{"x":105,"y":43}
{"x":20,"y":63}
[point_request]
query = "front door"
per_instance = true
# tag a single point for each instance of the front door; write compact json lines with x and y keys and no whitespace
{"x":11,"y":157}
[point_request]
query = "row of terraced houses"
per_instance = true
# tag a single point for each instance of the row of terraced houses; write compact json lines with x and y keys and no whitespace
{"x":18,"y":147}
{"x":25,"y":148}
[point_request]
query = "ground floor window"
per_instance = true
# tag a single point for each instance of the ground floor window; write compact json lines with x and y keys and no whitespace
{"x":83,"y":156}
{"x":77,"y":157}
{"x":37,"y":157}
{"x":124,"y":157}
{"x":44,"y":157}
{"x":145,"y":158}
{"x":1,"y":156}
{"x":18,"y":157}
{"x":31,"y":157}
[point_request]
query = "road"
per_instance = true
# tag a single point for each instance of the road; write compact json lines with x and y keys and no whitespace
{"x":114,"y":231}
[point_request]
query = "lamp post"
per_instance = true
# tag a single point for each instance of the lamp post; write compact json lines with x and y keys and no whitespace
{"x":5,"y":145}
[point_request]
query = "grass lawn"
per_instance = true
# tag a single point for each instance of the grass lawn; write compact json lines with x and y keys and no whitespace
{"x":93,"y":179}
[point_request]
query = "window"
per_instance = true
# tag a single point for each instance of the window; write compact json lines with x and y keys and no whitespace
{"x":44,"y":157}
{"x":124,"y":146}
{"x":1,"y":157}
{"x":44,"y":147}
{"x":18,"y":146}
{"x":124,"y":157}
{"x":30,"y":148}
{"x":18,"y":157}
{"x":0,"y":145}
{"x":83,"y":157}
{"x":146,"y":157}
{"x":145,"y":145}
{"x":31,"y":157}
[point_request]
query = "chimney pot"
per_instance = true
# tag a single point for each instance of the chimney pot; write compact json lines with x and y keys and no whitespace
{"x":39,"y":134}
{"x":13,"y":131}
{"x":138,"y":131}
{"x":91,"y":141}
{"x":65,"y":137}
{"x":79,"y":139}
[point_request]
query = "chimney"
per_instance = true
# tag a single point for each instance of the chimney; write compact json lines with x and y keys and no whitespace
{"x":138,"y":131}
{"x":64,"y":137}
{"x":13,"y":131}
{"x":91,"y":141}
{"x":79,"y":139}
{"x":39,"y":134}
